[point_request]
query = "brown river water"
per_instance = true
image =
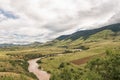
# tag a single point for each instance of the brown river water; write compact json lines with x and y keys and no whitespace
{"x":40,"y":74}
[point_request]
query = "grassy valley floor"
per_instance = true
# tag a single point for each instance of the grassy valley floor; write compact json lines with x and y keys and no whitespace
{"x":56,"y":58}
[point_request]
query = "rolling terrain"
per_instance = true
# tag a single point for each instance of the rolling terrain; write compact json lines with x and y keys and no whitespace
{"x":62,"y":55}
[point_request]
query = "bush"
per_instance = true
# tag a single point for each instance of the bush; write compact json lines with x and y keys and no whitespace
{"x":62,"y":65}
{"x":68,"y":51}
{"x":108,"y":68}
{"x":32,"y":56}
{"x":39,"y":61}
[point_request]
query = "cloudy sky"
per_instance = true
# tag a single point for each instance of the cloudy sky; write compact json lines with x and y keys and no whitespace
{"x":25,"y":21}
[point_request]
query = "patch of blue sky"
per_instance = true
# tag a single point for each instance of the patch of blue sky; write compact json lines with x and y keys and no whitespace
{"x":8,"y":14}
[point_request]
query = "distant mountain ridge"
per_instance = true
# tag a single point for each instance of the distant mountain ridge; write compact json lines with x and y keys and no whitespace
{"x":7,"y":45}
{"x":87,"y":33}
{"x":11,"y":45}
{"x":110,"y":31}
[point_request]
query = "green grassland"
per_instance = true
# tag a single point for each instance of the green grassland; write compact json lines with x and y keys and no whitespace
{"x":58,"y":55}
{"x":12,"y":68}
{"x":95,"y":44}
{"x":95,"y":49}
{"x":13,"y":76}
{"x":14,"y":60}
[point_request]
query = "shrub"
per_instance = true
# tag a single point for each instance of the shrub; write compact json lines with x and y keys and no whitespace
{"x":108,"y":67}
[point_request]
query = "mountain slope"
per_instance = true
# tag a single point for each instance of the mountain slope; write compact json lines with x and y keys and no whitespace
{"x":85,"y":34}
{"x":81,"y":38}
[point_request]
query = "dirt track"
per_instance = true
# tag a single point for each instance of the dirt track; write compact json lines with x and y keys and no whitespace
{"x":33,"y":67}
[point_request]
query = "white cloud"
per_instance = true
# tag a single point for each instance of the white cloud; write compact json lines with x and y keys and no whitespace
{"x":42,"y":20}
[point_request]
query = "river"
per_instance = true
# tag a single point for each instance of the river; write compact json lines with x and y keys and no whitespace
{"x":40,"y":74}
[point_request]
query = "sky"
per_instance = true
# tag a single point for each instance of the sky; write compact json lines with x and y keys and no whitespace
{"x":26,"y":21}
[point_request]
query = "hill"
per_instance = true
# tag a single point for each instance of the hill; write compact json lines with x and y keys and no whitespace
{"x":110,"y":32}
{"x":60,"y":54}
{"x":79,"y":49}
{"x":85,"y":34}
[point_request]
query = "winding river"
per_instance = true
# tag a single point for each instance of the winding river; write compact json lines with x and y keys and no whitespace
{"x":33,"y":67}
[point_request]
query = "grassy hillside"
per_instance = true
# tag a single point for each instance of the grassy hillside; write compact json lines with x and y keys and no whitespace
{"x":60,"y":54}
{"x":85,"y":34}
{"x":111,"y":32}
{"x":13,"y":60}
{"x":82,"y":45}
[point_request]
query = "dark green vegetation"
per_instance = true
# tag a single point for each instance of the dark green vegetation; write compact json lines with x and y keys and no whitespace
{"x":106,"y":68}
{"x":60,"y":52}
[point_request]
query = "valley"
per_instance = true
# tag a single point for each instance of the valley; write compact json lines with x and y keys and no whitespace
{"x":33,"y":67}
{"x":68,"y":57}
